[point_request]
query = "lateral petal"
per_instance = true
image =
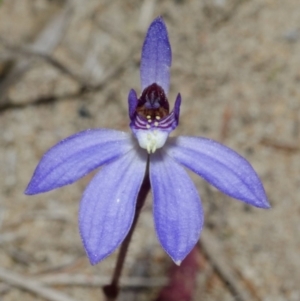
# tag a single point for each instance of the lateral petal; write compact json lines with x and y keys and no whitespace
{"x":221,"y":167}
{"x":156,"y":56}
{"x":108,"y":205}
{"x":132,"y":103}
{"x":76,"y":156}
{"x":177,"y":208}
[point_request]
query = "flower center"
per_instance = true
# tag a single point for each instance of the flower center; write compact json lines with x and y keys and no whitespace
{"x":152,"y":122}
{"x":153,"y":103}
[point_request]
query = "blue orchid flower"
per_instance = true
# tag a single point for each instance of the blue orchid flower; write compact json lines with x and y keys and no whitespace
{"x":108,"y":204}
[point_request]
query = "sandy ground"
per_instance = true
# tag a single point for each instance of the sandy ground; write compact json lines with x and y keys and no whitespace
{"x":236,"y":64}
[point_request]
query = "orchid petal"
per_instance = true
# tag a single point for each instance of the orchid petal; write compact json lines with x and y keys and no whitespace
{"x":132,"y":103}
{"x":108,"y":205}
{"x":220,"y":166}
{"x":177,"y":108}
{"x":176,"y":204}
{"x":156,"y":56}
{"x":76,"y":156}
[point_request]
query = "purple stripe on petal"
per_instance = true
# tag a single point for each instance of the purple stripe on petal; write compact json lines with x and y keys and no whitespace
{"x":108,"y":205}
{"x":220,"y":166}
{"x":141,"y":122}
{"x":167,"y":119}
{"x":176,"y":204}
{"x":156,"y":56}
{"x":76,"y":156}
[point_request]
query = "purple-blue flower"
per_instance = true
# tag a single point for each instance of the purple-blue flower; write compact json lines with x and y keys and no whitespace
{"x":108,"y":204}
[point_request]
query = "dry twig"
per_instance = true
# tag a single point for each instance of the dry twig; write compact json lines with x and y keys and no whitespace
{"x":279,"y":145}
{"x":84,"y":89}
{"x":44,"y":44}
{"x":33,"y":286}
{"x":146,"y":14}
{"x":98,"y":281}
{"x":30,"y":54}
{"x":215,"y":255}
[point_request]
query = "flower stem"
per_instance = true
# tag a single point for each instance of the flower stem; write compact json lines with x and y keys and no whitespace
{"x":111,"y":291}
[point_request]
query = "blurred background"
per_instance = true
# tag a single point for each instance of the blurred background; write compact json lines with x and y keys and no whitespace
{"x":66,"y":66}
